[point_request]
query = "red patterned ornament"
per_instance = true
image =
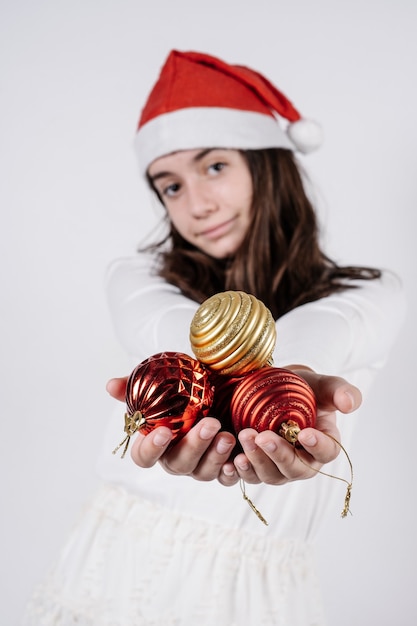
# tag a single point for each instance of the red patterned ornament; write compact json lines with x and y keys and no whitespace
{"x":167,"y":389}
{"x":275,"y":399}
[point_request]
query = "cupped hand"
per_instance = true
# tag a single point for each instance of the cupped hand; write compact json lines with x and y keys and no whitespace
{"x":268,"y":458}
{"x":201,"y":453}
{"x":204,"y":452}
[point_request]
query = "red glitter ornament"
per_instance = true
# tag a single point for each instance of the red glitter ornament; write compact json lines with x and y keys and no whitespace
{"x":275,"y":399}
{"x":167,"y":389}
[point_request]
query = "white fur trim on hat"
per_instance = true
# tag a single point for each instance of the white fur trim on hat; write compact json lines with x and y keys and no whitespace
{"x":207,"y":127}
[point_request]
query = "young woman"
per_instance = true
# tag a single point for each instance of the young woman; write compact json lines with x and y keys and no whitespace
{"x":169,"y":544}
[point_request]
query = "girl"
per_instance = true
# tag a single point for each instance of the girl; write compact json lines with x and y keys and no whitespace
{"x":169,"y":544}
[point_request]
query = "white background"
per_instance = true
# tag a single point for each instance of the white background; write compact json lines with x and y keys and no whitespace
{"x":74,"y":76}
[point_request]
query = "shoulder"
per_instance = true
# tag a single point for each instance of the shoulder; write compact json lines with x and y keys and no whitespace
{"x":374,"y":306}
{"x":360,"y":297}
{"x":389,"y":283}
{"x":346,"y":331}
{"x":135,"y":273}
{"x":385,"y":294}
{"x":143,"y":262}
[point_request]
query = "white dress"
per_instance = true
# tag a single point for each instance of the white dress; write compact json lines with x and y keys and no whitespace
{"x":153,"y":549}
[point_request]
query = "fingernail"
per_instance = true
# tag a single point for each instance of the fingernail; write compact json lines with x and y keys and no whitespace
{"x":208,"y":432}
{"x":310,"y":441}
{"x":249,"y":444}
{"x":223,"y":446}
{"x":243,"y":466}
{"x":160,"y":439}
{"x":229,"y":472}
{"x":351,"y":399}
{"x":269,"y":446}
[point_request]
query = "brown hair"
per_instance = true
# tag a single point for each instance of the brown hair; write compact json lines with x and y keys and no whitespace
{"x":280,"y":261}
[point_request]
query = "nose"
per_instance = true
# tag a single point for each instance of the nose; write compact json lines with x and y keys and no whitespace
{"x":201,"y":201}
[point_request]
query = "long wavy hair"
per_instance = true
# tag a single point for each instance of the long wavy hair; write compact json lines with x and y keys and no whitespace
{"x":280,"y":260}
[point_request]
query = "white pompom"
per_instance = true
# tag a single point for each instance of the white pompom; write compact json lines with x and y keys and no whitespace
{"x":306,"y":135}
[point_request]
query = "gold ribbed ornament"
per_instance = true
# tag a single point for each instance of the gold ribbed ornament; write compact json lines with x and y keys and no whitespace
{"x":233,"y":333}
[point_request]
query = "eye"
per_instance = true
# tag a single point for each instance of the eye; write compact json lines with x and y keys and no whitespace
{"x":171,"y":190}
{"x":217,"y":167}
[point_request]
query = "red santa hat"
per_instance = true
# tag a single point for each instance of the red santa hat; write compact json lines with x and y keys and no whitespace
{"x":200,"y":101}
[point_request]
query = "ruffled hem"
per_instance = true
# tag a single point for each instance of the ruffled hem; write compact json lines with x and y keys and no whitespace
{"x":129,"y":562}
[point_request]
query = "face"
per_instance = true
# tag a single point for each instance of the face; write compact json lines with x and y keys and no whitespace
{"x":208,"y":195}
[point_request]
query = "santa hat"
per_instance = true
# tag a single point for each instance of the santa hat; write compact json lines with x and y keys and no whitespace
{"x":200,"y":101}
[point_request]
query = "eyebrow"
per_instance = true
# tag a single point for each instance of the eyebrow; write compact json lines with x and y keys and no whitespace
{"x":196,"y":158}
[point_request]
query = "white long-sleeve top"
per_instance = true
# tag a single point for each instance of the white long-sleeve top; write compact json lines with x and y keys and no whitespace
{"x":347,"y":334}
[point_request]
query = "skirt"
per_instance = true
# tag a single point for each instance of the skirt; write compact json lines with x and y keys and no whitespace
{"x":130,"y":562}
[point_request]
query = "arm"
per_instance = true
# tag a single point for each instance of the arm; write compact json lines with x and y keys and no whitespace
{"x":345,"y":332}
{"x":342,"y":333}
{"x":339,"y":334}
{"x":148,"y":315}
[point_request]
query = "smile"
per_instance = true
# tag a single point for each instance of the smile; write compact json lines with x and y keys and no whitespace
{"x":218,"y":231}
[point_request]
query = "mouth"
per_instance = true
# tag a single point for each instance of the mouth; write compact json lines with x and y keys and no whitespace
{"x":217,"y":231}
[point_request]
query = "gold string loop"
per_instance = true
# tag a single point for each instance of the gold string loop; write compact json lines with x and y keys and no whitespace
{"x":346,"y":506}
{"x":251,"y":504}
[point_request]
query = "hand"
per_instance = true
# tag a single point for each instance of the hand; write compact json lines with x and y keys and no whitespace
{"x":204,"y":452}
{"x":269,"y":458}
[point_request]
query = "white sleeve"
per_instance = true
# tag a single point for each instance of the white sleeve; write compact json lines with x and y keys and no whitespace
{"x":149,"y":315}
{"x":344,"y":332}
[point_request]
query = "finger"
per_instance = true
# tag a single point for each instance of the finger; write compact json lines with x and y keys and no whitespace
{"x":228,"y":475}
{"x":264,"y":467}
{"x":148,"y":449}
{"x":285,"y":459}
{"x":245,"y":470}
{"x":184,"y":456}
{"x":116,"y":387}
{"x":212,"y":462}
{"x":347,"y":398}
{"x":333,"y":392}
{"x":319,"y":445}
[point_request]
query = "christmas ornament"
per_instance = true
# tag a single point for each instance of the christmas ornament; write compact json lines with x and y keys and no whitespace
{"x":233,"y":333}
{"x":275,"y":399}
{"x":167,"y":389}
